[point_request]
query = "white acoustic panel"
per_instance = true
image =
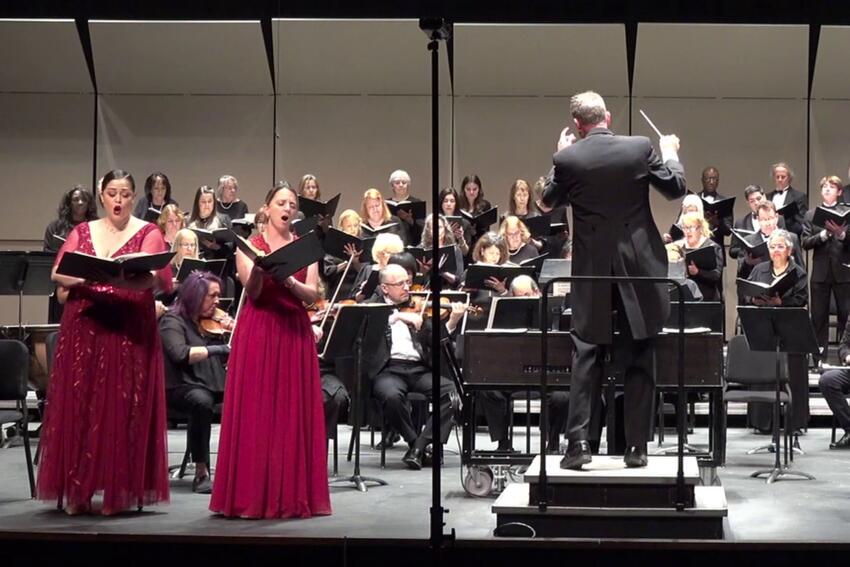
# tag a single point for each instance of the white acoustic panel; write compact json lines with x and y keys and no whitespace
{"x":830,"y":122}
{"x":46,"y":148}
{"x":144,"y":57}
{"x":353,"y":57}
{"x":353,"y":143}
{"x":534,"y":60}
{"x":713,"y":60}
{"x":502,"y":139}
{"x":830,"y":79}
{"x":192,"y":139}
{"x":42,"y":56}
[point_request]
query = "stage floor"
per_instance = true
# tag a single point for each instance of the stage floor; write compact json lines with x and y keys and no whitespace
{"x":787,"y":511}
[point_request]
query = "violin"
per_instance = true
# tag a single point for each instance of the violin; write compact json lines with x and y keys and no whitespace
{"x":217,"y":325}
{"x":419,"y":305}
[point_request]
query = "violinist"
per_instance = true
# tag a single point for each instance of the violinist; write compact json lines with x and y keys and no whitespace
{"x":698,"y":235}
{"x":401,"y":364}
{"x":195,"y":353}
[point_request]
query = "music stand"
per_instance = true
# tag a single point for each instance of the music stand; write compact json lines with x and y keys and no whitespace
{"x":357,"y":329}
{"x":778,"y":329}
{"x":25,"y":273}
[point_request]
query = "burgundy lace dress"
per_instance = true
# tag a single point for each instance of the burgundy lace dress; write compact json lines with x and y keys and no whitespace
{"x":103,"y":443}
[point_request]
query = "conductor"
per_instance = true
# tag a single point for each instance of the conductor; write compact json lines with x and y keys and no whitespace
{"x":606,"y":179}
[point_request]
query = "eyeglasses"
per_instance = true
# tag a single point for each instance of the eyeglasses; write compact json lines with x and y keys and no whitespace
{"x":778,"y":246}
{"x":690,"y":228}
{"x":407,"y":283}
{"x":188,"y":245}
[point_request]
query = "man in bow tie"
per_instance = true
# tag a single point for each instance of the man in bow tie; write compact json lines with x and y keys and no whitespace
{"x":784,"y":195}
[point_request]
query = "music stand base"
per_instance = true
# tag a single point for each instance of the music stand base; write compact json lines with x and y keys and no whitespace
{"x":775,"y":474}
{"x":673,"y":448}
{"x":359,"y":481}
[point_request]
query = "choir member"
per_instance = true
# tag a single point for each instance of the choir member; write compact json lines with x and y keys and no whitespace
{"x":308,"y":187}
{"x":784,"y":194}
{"x":333,"y":268}
{"x":195,"y":355}
{"x":830,"y":257}
{"x":754,"y":195}
{"x":835,"y":387}
{"x":698,"y":235}
{"x":228,"y":203}
{"x":170,"y":222}
{"x":185,"y":245}
{"x":375,"y":214}
{"x":204,"y":217}
{"x":92,"y":459}
{"x":444,"y":238}
{"x":385,"y":245}
{"x":521,"y":246}
{"x":400,"y":187}
{"x":720,"y":227}
{"x":780,"y":244}
{"x":768,"y":220}
{"x":461,"y":228}
{"x":690,"y":204}
{"x":520,"y":203}
{"x":157,"y":195}
{"x":472,"y":200}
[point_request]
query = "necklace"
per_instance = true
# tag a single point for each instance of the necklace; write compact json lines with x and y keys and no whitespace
{"x":227,"y":206}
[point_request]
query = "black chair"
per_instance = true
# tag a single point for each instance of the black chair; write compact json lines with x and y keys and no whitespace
{"x":15,"y":362}
{"x":752,"y":368}
{"x":179,"y":471}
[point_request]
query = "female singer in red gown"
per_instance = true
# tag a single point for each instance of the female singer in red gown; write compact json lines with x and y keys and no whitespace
{"x":103,"y":445}
{"x":272,"y":459}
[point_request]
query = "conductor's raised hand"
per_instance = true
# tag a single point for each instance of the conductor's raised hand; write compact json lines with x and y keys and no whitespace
{"x":669,"y":145}
{"x":566,"y":139}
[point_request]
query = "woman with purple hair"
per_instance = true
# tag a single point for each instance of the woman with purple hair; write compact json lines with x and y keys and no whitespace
{"x":194,"y":366}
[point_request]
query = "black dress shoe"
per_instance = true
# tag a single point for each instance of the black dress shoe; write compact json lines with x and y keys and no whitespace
{"x":391,"y":439}
{"x":413,"y":458}
{"x":843,"y":443}
{"x":202,"y":485}
{"x":636,"y":457}
{"x":577,"y":454}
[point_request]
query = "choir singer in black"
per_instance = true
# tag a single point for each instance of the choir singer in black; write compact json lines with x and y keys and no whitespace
{"x":606,"y":179}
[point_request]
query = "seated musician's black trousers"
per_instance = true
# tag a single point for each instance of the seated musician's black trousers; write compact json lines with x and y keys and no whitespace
{"x":335,"y":398}
{"x":390,"y":387}
{"x":835,"y":385}
{"x":586,"y":384}
{"x":497,"y":410}
{"x":199,"y":403}
{"x":819,"y":308}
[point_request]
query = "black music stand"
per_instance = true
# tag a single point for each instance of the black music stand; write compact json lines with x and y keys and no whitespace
{"x":25,"y":273}
{"x":778,"y":329}
{"x":357,"y":329}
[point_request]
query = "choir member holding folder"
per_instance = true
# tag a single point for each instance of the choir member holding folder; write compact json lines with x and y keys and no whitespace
{"x":272,"y":456}
{"x":461,"y":228}
{"x":170,"y":222}
{"x":703,"y":256}
{"x":474,"y":207}
{"x":343,"y":256}
{"x":825,"y":234}
{"x":157,"y":196}
{"x":107,"y":385}
{"x":718,"y":208}
{"x":521,"y":246}
{"x":212,"y":228}
{"x":753,"y":246}
{"x":409,"y":209}
{"x":227,"y":203}
{"x":377,"y":218}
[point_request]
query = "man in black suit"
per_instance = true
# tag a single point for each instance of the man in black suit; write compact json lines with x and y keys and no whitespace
{"x":402,"y":364}
{"x":721,"y":227}
{"x":768,"y":222}
{"x":835,"y":386}
{"x":784,"y":194}
{"x":830,"y":256}
{"x":606,"y":178}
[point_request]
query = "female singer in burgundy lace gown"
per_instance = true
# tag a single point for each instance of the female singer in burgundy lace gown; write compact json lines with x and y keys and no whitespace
{"x":272,"y":459}
{"x":104,"y":436}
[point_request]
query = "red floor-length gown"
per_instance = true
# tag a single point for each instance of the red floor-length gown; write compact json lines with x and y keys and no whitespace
{"x":272,"y":457}
{"x":104,"y":434}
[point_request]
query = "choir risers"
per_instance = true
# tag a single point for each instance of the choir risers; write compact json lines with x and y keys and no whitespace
{"x":610,"y":501}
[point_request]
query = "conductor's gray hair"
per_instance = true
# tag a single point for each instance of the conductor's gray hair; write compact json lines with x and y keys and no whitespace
{"x":588,"y":108}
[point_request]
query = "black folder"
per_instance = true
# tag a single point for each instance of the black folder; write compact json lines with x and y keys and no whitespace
{"x":723,"y":207}
{"x":336,"y":241}
{"x":758,"y":250}
{"x":313,"y":208}
{"x":535,"y":263}
{"x":539,"y":226}
{"x":220,"y":235}
{"x":822,"y":214}
{"x":705,"y":258}
{"x":371,"y":283}
{"x":514,"y":313}
{"x":416,"y":208}
{"x":389,"y":227}
{"x":484,"y":220}
{"x":305,"y":225}
{"x":189,"y":265}
{"x":676,"y":232}
{"x":246,"y":222}
{"x":476,"y":274}
{"x":287,"y":260}
{"x":788,"y":210}
{"x":778,"y":286}
{"x":95,"y":268}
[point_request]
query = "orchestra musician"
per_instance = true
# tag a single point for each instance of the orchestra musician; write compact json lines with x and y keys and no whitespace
{"x":400,"y":187}
{"x":157,"y":196}
{"x":780,"y":244}
{"x":107,"y":387}
{"x":375,"y":214}
{"x":77,"y":206}
{"x":195,"y":355}
{"x":461,"y":228}
{"x":170,"y":222}
{"x":783,"y":194}
{"x":830,"y":257}
{"x":402,"y":363}
{"x":698,"y":235}
{"x":228,"y":203}
{"x":606,"y":179}
{"x":521,"y":246}
{"x":835,"y":386}
{"x":272,"y":460}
